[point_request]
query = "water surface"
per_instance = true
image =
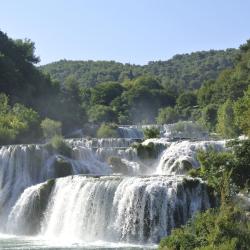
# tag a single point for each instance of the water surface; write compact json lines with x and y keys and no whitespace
{"x":10,"y":242}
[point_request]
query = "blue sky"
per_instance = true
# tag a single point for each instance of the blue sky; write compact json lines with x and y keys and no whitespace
{"x":133,"y":31}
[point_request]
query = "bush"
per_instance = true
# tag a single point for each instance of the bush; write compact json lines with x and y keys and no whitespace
{"x":17,"y":124}
{"x":167,"y":115}
{"x":51,"y":128}
{"x":145,"y":152}
{"x":107,"y":131}
{"x":101,"y":113}
{"x":209,"y":116}
{"x":224,"y":228}
{"x":241,"y":167}
{"x":152,"y":132}
{"x":60,"y":146}
{"x":226,"y":121}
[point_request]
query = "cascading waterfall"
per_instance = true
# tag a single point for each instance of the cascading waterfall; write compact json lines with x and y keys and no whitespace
{"x":93,"y":205}
{"x":179,"y":157}
{"x":22,"y":166}
{"x":130,"y":209}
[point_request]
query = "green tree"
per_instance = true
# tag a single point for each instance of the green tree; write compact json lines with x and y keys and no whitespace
{"x":186,"y":100}
{"x":107,"y":131}
{"x":4,"y":104}
{"x":167,"y":115}
{"x":209,"y":116}
{"x":151,"y":132}
{"x":225,"y":125}
{"x":101,"y":113}
{"x":242,"y":112}
{"x":51,"y":128}
{"x":105,"y":93}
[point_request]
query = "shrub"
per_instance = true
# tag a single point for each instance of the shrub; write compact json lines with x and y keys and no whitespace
{"x":224,"y":228}
{"x":152,"y":132}
{"x":167,"y":115}
{"x":107,"y":131}
{"x":101,"y":113}
{"x":60,"y":146}
{"x":148,"y":151}
{"x":226,"y":120}
{"x":51,"y":128}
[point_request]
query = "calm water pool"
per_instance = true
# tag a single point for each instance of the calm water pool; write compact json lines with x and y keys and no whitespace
{"x":10,"y":242}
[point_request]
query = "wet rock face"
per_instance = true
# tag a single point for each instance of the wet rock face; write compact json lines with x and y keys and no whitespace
{"x":62,"y":167}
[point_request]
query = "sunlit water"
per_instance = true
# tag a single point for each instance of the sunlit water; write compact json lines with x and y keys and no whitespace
{"x":11,"y":242}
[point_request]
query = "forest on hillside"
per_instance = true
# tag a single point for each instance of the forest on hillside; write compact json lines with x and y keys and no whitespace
{"x":210,"y":88}
{"x":182,"y":72}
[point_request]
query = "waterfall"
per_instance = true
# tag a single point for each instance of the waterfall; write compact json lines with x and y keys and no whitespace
{"x":130,"y":132}
{"x":77,"y":198}
{"x":127,"y":209}
{"x":22,"y":166}
{"x":179,"y":157}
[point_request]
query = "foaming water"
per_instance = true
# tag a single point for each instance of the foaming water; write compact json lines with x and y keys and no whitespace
{"x":179,"y":157}
{"x":13,"y":242}
{"x":114,"y":208}
{"x":91,"y":208}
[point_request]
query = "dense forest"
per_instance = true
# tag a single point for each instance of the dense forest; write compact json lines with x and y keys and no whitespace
{"x":187,"y":71}
{"x":196,"y":86}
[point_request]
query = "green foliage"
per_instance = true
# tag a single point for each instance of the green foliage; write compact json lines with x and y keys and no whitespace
{"x":146,"y":152}
{"x":60,"y":146}
{"x":225,"y":228}
{"x":230,"y":84}
{"x":186,"y":100}
{"x":19,"y":78}
{"x":187,"y":71}
{"x":216,"y":169}
{"x":105,"y":93}
{"x":226,"y":172}
{"x":167,"y":115}
{"x":101,"y":113}
{"x":144,"y":97}
{"x":151,"y":132}
{"x":17,"y":123}
{"x":51,"y":128}
{"x":209,"y":116}
{"x":107,"y":131}
{"x":226,"y":126}
{"x":241,"y":167}
{"x":242,"y":112}
{"x":4,"y":104}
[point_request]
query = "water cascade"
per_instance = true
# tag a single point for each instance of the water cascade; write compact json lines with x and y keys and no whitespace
{"x":103,"y":190}
{"x":130,"y":209}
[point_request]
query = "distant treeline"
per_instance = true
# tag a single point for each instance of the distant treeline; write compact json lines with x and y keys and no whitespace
{"x":206,"y":87}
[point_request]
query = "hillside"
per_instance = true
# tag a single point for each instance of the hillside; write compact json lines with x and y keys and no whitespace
{"x":187,"y":71}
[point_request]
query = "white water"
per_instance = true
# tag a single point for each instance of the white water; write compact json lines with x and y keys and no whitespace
{"x":179,"y":130}
{"x":115,"y":209}
{"x":87,"y":210}
{"x":179,"y":156}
